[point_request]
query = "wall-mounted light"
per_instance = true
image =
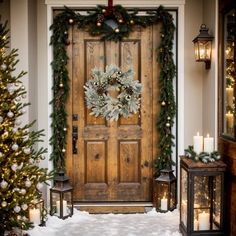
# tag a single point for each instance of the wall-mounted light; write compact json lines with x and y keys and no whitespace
{"x":203,"y":46}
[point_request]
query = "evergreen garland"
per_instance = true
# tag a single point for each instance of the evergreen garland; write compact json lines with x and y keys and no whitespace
{"x":205,"y":157}
{"x":96,"y":24}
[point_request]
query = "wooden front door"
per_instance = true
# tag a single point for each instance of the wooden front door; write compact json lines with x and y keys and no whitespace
{"x":114,"y":160}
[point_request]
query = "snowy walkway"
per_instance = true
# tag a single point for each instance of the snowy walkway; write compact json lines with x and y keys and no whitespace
{"x":85,"y":224}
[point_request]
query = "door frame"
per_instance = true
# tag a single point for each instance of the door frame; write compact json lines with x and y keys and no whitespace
{"x":177,"y":5}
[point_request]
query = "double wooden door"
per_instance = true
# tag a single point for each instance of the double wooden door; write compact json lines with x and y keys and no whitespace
{"x":112,"y":160}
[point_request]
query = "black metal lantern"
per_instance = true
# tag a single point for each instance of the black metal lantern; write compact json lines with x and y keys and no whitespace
{"x":203,"y":46}
{"x":61,"y":197}
{"x":165,"y":191}
{"x":201,"y":197}
{"x":36,"y":212}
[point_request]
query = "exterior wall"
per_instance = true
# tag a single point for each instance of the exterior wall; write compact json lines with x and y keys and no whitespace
{"x":209,"y":105}
{"x":193,"y":73}
{"x":200,"y":84}
{"x":23,"y":37}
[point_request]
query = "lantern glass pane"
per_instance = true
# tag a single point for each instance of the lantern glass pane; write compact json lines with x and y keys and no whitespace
{"x":208,"y":50}
{"x":228,"y":67}
{"x":184,"y":199}
{"x":36,"y":212}
{"x":55,"y":203}
{"x":162,"y":191}
{"x":202,"y":202}
{"x":202,"y":50}
{"x":196,"y":51}
{"x":217,"y":181}
{"x":68,"y":198}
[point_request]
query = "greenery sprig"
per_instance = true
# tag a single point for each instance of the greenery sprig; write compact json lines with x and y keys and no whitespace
{"x":205,"y":157}
{"x":96,"y":22}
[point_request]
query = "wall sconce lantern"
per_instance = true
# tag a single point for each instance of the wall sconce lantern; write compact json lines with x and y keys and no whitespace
{"x":166,"y":191}
{"x":203,"y":46}
{"x":61,"y":197}
{"x":202,"y":208}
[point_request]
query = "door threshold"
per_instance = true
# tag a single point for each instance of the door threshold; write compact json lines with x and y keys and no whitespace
{"x":114,"y":207}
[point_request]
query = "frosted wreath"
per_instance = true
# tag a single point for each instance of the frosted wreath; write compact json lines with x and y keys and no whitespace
{"x":113,"y":93}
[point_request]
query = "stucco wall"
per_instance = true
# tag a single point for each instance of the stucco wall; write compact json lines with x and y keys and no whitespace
{"x":200,"y":84}
{"x":209,"y":86}
{"x":192,"y":73}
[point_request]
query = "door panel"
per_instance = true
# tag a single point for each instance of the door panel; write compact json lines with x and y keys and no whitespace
{"x":114,"y":159}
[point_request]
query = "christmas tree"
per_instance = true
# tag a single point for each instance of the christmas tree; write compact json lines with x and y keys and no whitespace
{"x":20,"y":176}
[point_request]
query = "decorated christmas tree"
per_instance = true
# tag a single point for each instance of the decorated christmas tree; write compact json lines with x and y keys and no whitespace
{"x":20,"y":176}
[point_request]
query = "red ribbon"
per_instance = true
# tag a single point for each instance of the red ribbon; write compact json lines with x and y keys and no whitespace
{"x":110,"y":5}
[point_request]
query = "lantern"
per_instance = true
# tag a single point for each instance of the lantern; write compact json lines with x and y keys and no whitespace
{"x":201,"y":197}
{"x":36,"y":212}
{"x":203,"y":46}
{"x":165,"y":191}
{"x":61,"y":197}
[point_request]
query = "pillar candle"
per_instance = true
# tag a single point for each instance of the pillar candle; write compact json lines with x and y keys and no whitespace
{"x":230,"y":120}
{"x":198,"y":143}
{"x":204,"y":221}
{"x":34,"y":215}
{"x":208,"y":144}
{"x":164,"y":204}
{"x":64,"y":208}
{"x":229,"y":96}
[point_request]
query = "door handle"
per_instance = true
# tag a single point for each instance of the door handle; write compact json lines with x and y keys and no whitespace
{"x":74,"y":139}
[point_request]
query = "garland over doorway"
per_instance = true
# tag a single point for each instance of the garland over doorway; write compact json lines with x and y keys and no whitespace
{"x":112,"y":23}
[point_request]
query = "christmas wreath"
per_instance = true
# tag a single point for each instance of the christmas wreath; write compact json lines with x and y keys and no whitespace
{"x":113,"y":93}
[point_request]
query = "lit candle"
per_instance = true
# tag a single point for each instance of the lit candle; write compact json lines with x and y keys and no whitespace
{"x":229,"y":96}
{"x":196,"y":224}
{"x":164,"y":204}
{"x":208,"y":144}
{"x":34,"y":215}
{"x":204,"y":223}
{"x":64,"y":208}
{"x":230,"y":120}
{"x":198,"y":143}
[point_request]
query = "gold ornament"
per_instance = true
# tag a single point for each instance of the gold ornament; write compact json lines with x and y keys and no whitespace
{"x":117,"y":30}
{"x":71,"y":21}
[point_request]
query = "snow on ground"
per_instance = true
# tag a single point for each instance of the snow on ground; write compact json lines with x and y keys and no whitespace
{"x":85,"y":224}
